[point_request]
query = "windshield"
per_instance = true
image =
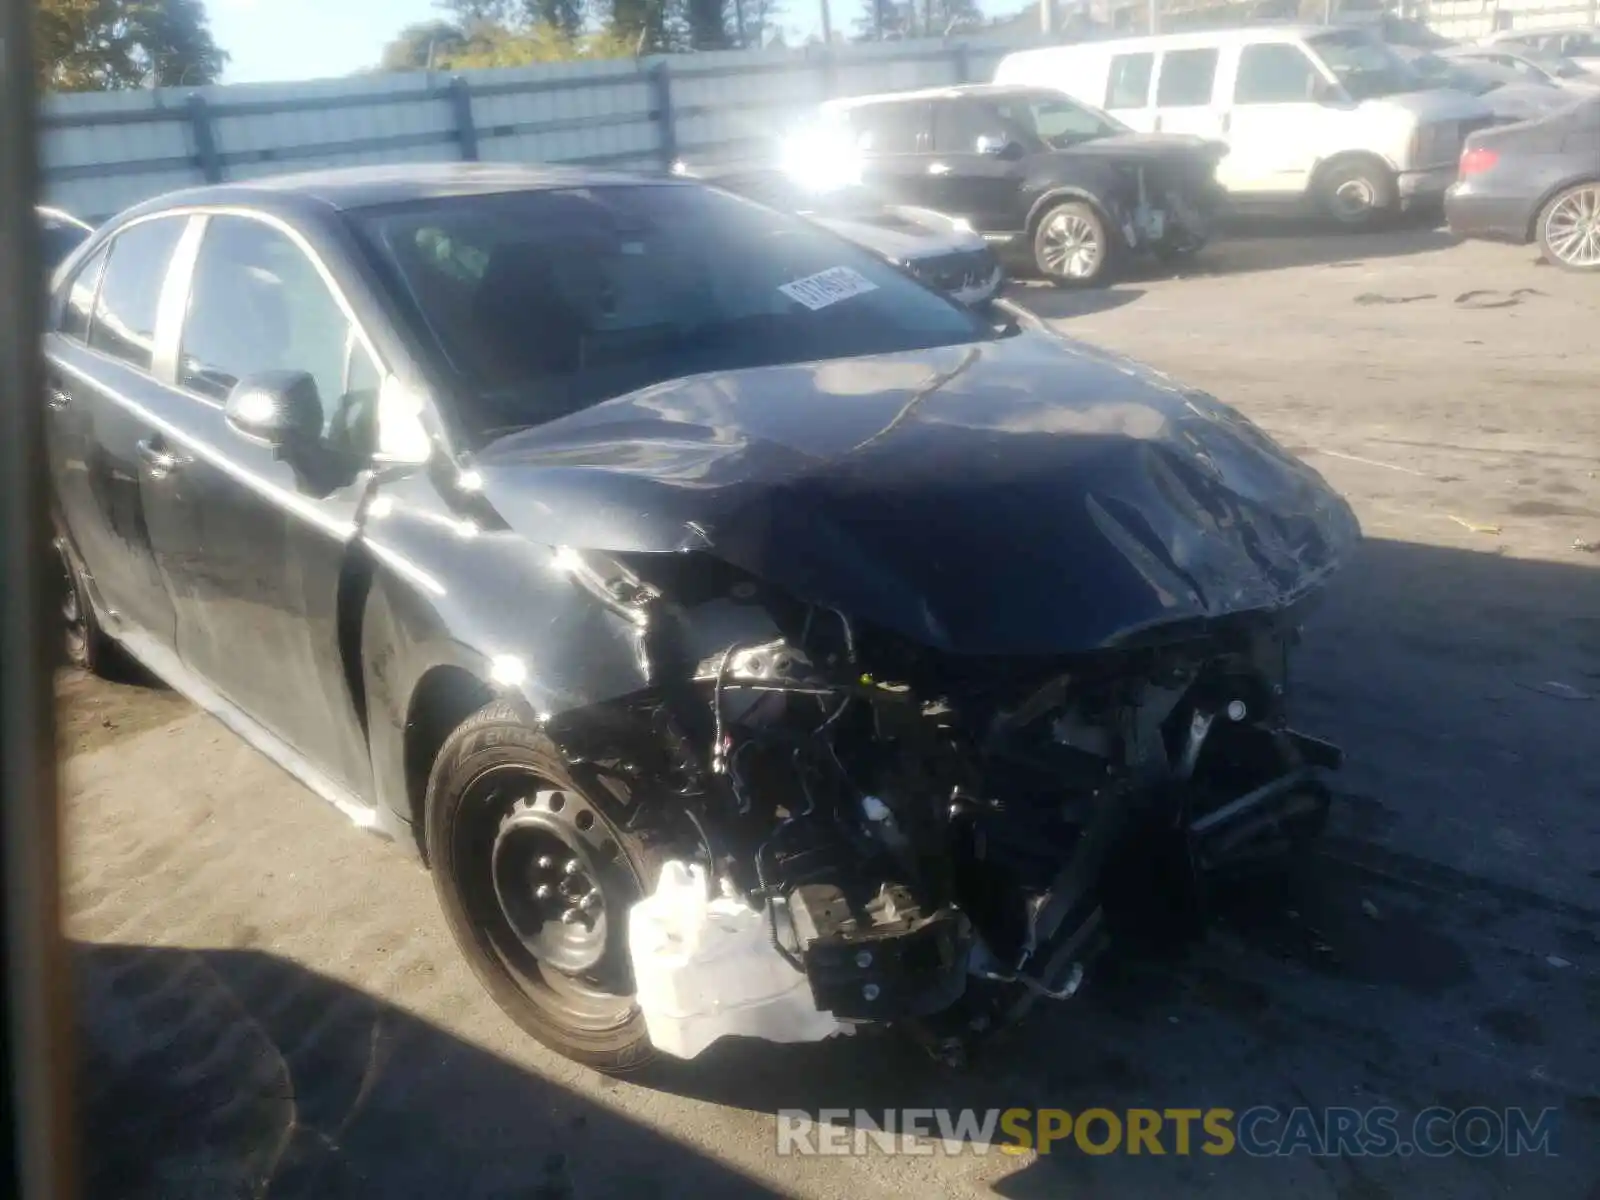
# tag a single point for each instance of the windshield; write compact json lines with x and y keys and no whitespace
{"x":1364,"y":67}
{"x":1054,"y":120}
{"x":1440,"y":73}
{"x":1554,"y":64}
{"x":545,"y":302}
{"x":777,"y":188}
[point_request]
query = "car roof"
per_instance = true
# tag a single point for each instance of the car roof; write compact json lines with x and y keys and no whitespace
{"x":1259,"y":31}
{"x":939,"y":93}
{"x":346,"y":188}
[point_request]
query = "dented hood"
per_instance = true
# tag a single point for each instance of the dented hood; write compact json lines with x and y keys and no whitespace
{"x":1027,"y":495}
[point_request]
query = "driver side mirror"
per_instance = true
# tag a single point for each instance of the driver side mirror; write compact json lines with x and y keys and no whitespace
{"x":280,"y":409}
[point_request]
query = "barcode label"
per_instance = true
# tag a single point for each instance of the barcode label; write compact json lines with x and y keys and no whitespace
{"x":827,"y":287}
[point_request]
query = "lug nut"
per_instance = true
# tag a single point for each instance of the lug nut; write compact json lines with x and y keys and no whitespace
{"x":542,"y":892}
{"x":571,"y":917}
{"x":546,"y":863}
{"x":1237,"y":711}
{"x":870,"y":992}
{"x":864,"y":959}
{"x":591,"y":901}
{"x":572,"y":867}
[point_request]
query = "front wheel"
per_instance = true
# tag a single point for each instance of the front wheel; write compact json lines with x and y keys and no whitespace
{"x":86,"y":644}
{"x":536,"y":874}
{"x":1569,"y":228}
{"x":1073,"y":246}
{"x":1357,"y":195}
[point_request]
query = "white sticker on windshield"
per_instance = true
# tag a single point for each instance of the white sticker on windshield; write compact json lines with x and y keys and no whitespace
{"x":828,"y":287}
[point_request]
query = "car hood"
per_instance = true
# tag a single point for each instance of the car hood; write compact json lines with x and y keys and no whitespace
{"x":1526,"y":101}
{"x":1433,"y":104}
{"x":1027,"y":495}
{"x":900,"y":239}
{"x":1147,"y":147}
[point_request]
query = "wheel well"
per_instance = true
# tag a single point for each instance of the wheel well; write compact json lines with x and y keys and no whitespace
{"x":1348,"y":158}
{"x":1056,"y":199}
{"x":445,"y":697}
{"x":1544,"y":203}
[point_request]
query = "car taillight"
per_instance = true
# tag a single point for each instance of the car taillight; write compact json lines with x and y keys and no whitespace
{"x":1478,"y":160}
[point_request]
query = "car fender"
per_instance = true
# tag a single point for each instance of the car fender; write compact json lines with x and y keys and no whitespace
{"x":455,"y":590}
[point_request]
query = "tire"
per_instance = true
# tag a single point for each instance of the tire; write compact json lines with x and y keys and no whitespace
{"x":1357,"y":194}
{"x":1059,"y":241}
{"x":1568,"y":228}
{"x":505,"y":815}
{"x":84,"y":643}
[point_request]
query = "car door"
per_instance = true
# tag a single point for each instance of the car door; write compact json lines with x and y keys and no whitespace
{"x":1128,"y":90}
{"x":1273,"y":124}
{"x":253,"y":542}
{"x":1186,"y":100}
{"x":893,"y":141}
{"x":979,"y":186}
{"x":100,"y":393}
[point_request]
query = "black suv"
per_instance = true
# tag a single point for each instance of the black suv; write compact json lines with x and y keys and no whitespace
{"x":1045,"y":179}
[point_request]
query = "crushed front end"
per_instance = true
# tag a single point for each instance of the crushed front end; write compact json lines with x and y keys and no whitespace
{"x":939,"y":840}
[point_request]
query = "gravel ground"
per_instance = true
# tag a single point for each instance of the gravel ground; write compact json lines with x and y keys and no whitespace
{"x":272,"y":1005}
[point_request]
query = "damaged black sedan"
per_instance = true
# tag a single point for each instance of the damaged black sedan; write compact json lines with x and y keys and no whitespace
{"x":752,"y":640}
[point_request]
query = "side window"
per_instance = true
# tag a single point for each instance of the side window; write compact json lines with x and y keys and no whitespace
{"x":890,"y":128}
{"x":1186,"y":78}
{"x":1129,"y":82}
{"x":78,"y":311}
{"x":958,"y":124}
{"x":1274,"y":73}
{"x":257,"y":303}
{"x":124,"y":323}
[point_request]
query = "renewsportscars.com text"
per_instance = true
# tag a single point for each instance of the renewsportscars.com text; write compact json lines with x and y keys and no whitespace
{"x":1262,"y":1131}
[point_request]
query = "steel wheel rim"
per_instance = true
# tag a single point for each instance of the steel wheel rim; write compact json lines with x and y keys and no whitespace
{"x":1572,"y":230}
{"x":75,"y":625}
{"x":1070,"y":246}
{"x":576,"y":971}
{"x":1353,"y":199}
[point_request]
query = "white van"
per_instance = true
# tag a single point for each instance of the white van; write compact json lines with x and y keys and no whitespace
{"x":1308,"y":112}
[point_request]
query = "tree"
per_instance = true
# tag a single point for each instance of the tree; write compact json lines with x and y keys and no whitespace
{"x":707,"y":22}
{"x":418,"y":47}
{"x":474,"y":12}
{"x":102,"y":45}
{"x":643,"y":24}
{"x":567,"y":16}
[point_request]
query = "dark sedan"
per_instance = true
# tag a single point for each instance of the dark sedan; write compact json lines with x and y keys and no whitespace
{"x":751,"y":639}
{"x":1538,"y":181}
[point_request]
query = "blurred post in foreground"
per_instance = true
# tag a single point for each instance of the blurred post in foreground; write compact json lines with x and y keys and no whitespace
{"x":38,"y":1157}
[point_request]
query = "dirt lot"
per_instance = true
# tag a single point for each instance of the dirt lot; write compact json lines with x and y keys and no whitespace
{"x":274,"y":1006}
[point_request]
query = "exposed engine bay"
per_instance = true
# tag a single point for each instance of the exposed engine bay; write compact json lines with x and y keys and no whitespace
{"x":935,"y":839}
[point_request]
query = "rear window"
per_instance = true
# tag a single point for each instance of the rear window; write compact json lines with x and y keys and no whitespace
{"x":125,"y":315}
{"x":1129,"y":82}
{"x":889,"y":128}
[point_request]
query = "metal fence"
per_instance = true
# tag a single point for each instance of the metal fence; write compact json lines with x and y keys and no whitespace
{"x":104,"y":151}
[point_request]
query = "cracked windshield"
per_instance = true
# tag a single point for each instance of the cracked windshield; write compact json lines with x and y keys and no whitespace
{"x":819,"y":598}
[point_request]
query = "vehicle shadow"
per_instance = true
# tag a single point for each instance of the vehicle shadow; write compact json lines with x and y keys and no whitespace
{"x":1248,"y":243}
{"x":1050,"y":302}
{"x":227,"y":1073}
{"x":1416,"y":959}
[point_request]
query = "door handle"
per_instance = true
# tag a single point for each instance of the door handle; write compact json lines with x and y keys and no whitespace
{"x":938,"y":168}
{"x":161,"y":461}
{"x":1227,"y":121}
{"x":1156,"y":128}
{"x":56,"y":399}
